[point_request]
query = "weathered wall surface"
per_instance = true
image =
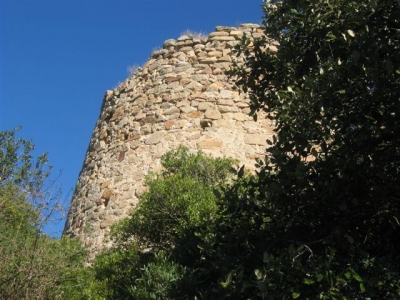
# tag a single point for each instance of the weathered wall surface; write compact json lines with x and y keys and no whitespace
{"x":181,"y":96}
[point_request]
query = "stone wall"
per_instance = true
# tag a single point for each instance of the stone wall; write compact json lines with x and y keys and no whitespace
{"x":181,"y":96}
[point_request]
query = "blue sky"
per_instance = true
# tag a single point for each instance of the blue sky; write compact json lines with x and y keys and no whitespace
{"x":58,"y":57}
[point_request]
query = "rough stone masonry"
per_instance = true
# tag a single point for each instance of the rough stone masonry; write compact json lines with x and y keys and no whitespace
{"x":181,"y":96}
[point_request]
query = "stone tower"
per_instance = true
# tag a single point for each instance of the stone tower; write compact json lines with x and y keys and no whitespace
{"x":181,"y":96}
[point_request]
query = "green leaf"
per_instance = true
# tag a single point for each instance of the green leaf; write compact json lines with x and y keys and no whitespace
{"x":308,"y":281}
{"x":295,"y":295}
{"x":362,"y":287}
{"x":330,"y":37}
{"x":357,"y":277}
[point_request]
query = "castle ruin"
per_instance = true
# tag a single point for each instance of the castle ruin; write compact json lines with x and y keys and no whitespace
{"x":181,"y":96}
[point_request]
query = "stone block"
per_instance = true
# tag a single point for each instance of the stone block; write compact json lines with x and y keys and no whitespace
{"x":237,"y":33}
{"x":215,"y":86}
{"x":105,"y":184}
{"x":186,"y":49}
{"x":225,"y":102}
{"x":169,"y":124}
{"x":224,"y":59}
{"x":184,"y":37}
{"x":185,"y":80}
{"x":182,"y":123}
{"x":240,"y":117}
{"x":212,"y":114}
{"x":222,"y":38}
{"x":227,"y":108}
{"x":107,"y":194}
{"x":140,"y":116}
{"x":272,"y":49}
{"x":184,"y":102}
{"x":214,"y":53}
{"x":203,"y":106}
{"x":138,"y":175}
{"x":169,"y":43}
{"x":172,"y":110}
{"x":218,"y":33}
{"x":148,"y":120}
{"x":195,"y":136}
{"x":195,"y":86}
{"x":118,"y":113}
{"x":187,"y":109}
{"x":249,"y":25}
{"x":107,"y":223}
{"x":226,"y":94}
{"x":223,"y":123}
{"x":194,"y":115}
{"x":224,"y":28}
{"x":118,"y":179}
{"x":208,"y":144}
{"x":155,"y":138}
{"x":255,"y":139}
{"x":208,"y":60}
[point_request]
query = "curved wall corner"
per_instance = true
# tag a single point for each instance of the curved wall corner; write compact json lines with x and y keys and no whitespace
{"x":181,"y":96}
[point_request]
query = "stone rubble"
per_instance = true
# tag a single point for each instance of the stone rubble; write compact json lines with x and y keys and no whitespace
{"x":181,"y":96}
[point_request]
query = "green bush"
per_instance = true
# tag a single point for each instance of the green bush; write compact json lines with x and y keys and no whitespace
{"x":157,"y":253}
{"x":32,"y":265}
{"x":329,"y":188}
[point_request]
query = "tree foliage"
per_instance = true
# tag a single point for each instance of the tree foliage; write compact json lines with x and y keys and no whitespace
{"x":329,"y":186}
{"x":159,"y":248}
{"x":321,"y":218}
{"x":32,"y":264}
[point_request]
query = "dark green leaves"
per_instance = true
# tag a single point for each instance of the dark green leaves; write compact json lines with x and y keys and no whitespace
{"x":335,"y":162}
